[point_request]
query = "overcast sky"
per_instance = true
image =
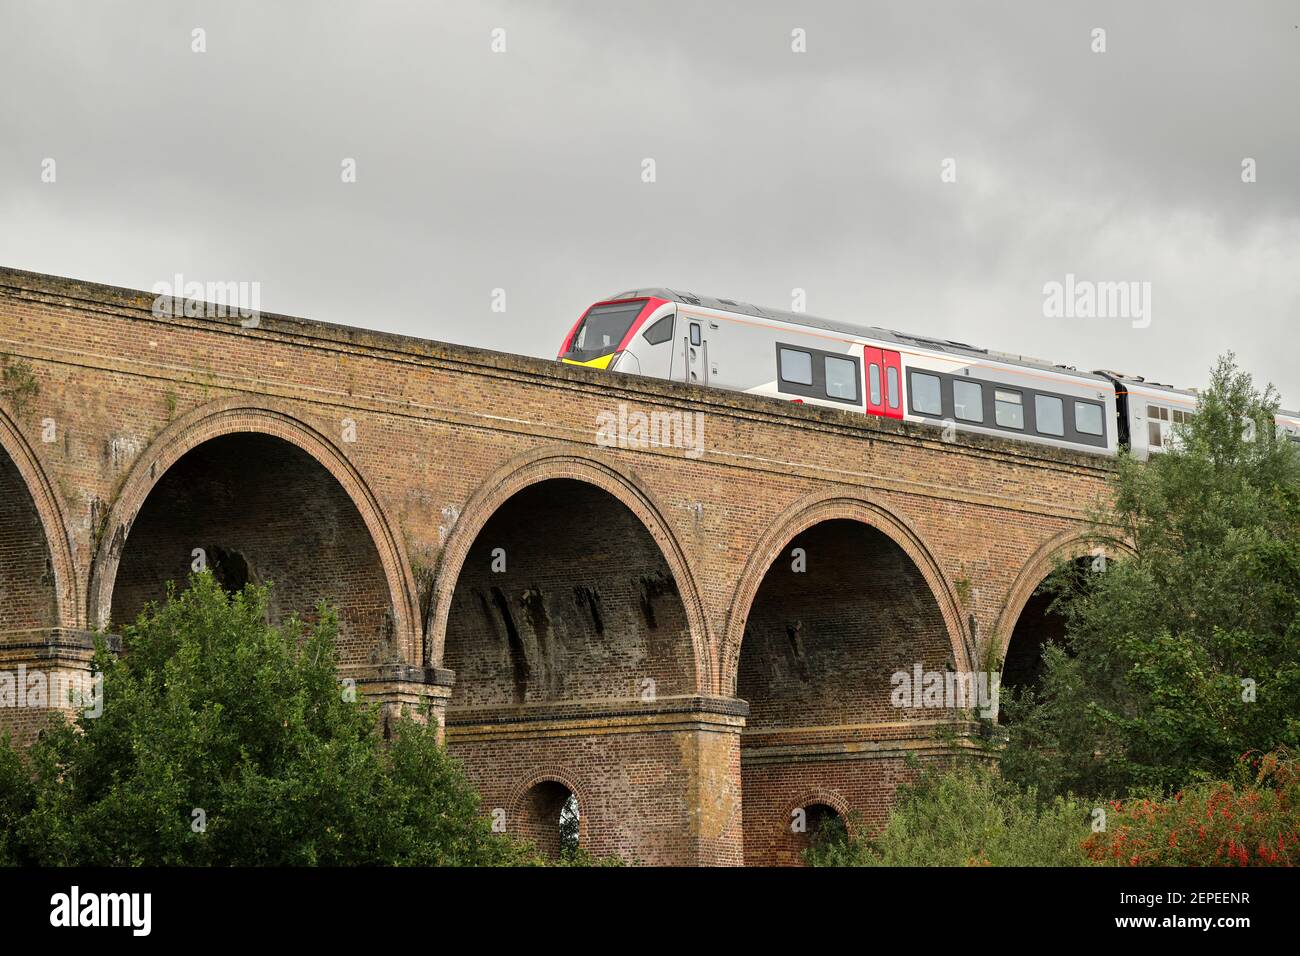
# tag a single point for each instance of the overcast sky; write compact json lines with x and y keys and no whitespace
{"x":774,"y":170}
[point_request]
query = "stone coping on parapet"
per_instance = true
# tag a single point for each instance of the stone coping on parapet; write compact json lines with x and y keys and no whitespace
{"x":53,"y":643}
{"x":919,"y":744}
{"x":137,"y":304}
{"x":576,"y":718}
{"x":953,"y":725}
{"x":398,"y":674}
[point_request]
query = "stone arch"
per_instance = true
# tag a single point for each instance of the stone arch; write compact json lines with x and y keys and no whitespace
{"x":787,"y":845}
{"x":819,"y":795}
{"x":33,"y":476}
{"x":521,"y":818}
{"x":1064,"y":546}
{"x":814,"y":510}
{"x":240,"y":415}
{"x":816,"y":649}
{"x":547,"y":772}
{"x":579,"y":465}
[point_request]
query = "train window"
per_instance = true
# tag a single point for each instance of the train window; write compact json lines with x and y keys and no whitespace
{"x":695,"y":333}
{"x":1153,"y":435}
{"x":1049,"y":414}
{"x":841,"y":378}
{"x":874,"y":373}
{"x":796,"y":366}
{"x":603,"y":329}
{"x":1009,"y":409}
{"x":1087,"y":418}
{"x":891,"y":385}
{"x":968,"y":400}
{"x":1156,"y":413}
{"x":926,"y":394}
{"x":660,"y":332}
{"x":819,"y":375}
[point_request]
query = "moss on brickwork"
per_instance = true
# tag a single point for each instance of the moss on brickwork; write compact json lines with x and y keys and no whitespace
{"x":18,"y":385}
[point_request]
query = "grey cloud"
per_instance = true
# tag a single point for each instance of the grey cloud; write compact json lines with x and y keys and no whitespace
{"x":775,"y":170}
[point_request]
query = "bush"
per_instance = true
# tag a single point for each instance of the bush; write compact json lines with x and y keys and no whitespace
{"x":15,"y":800}
{"x":227,"y":741}
{"x":1255,"y":822}
{"x":1186,"y":652}
{"x":964,"y":816}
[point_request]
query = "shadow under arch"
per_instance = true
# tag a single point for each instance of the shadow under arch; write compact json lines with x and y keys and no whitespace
{"x":811,"y":802}
{"x":577,"y":465}
{"x":805,"y":514}
{"x":546,"y":774}
{"x":535,"y":814}
{"x":54,"y":524}
{"x":1066,"y":546}
{"x":241,"y":415}
{"x":822,"y":796}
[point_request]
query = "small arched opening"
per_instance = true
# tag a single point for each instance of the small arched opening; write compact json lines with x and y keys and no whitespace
{"x":550,"y":819}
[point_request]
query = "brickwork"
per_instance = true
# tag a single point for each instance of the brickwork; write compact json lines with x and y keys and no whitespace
{"x":839,"y":612}
{"x":565,"y":596}
{"x":261,"y":510}
{"x":395,"y":465}
{"x":538,"y":816}
{"x":28,"y":599}
{"x":863,"y":786}
{"x":657,"y":783}
{"x":40,"y":670}
{"x":836,"y":615}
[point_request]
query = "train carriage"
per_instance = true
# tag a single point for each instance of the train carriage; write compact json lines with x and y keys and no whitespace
{"x":664,"y":333}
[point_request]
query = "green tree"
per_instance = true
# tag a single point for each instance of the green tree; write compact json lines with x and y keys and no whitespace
{"x":227,"y":741}
{"x":966,"y":815}
{"x":1186,"y":654}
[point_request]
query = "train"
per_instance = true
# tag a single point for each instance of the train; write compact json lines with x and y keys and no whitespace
{"x":722,"y":343}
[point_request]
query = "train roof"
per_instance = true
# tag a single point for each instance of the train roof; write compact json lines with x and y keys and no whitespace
{"x":873,"y":332}
{"x":1141,"y":382}
{"x":1138,"y":380}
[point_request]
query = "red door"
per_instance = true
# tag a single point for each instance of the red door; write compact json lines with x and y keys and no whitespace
{"x":893,"y":384}
{"x":874,"y":372}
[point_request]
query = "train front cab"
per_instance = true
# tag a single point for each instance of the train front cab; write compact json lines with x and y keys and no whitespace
{"x":626,"y":335}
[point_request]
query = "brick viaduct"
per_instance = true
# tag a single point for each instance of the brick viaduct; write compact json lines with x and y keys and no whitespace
{"x":649,"y":646}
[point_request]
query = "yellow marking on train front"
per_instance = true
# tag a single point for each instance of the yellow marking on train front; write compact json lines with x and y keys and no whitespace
{"x":602,"y":362}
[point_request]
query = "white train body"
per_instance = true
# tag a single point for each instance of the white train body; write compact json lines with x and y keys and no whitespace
{"x":953,"y":386}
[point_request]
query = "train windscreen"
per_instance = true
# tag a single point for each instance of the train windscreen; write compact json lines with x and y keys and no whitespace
{"x":603,"y":329}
